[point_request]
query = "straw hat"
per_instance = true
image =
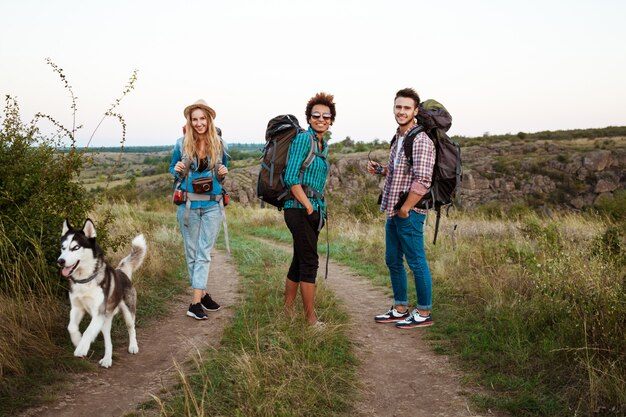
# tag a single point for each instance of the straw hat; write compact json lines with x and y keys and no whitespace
{"x":199,"y":104}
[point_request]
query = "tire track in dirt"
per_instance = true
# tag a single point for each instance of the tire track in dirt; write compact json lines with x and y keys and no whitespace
{"x":399,"y":372}
{"x":132,"y":378}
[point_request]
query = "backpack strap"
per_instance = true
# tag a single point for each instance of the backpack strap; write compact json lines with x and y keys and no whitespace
{"x":314,"y":152}
{"x":393,"y":140}
{"x":219,"y":161}
{"x":310,"y":157}
{"x":407,"y":144}
{"x":459,"y":176}
{"x":270,"y":167}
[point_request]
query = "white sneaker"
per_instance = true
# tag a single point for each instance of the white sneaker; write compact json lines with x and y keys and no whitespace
{"x":415,"y":320}
{"x":391,"y":316}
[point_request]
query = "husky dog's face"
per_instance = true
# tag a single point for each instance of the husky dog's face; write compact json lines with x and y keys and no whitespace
{"x":77,"y":249}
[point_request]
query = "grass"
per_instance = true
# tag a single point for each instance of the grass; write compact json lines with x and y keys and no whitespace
{"x":268,"y":364}
{"x":549,"y":315}
{"x":549,"y":294}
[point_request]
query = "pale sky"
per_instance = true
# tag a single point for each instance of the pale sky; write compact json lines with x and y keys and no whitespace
{"x":498,"y":66}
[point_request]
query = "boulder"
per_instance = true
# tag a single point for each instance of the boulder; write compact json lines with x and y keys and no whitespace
{"x":574,"y":165}
{"x":597,"y":160}
{"x":243,"y":199}
{"x":468,"y":181}
{"x":251,"y":193}
{"x":578,"y":202}
{"x":333,"y":183}
{"x":482,"y":183}
{"x":605,"y":185}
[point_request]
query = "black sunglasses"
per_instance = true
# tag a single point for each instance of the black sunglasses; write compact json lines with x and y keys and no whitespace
{"x":317,"y":115}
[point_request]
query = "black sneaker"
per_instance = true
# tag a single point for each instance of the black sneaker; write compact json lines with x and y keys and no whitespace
{"x":196,"y":311}
{"x":208,"y":303}
{"x":391,"y":316}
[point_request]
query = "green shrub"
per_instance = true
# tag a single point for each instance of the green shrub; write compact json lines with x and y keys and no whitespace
{"x":38,"y":189}
{"x":501,"y":166}
{"x":615,"y":207}
{"x":364,"y":206}
{"x":39,"y":184}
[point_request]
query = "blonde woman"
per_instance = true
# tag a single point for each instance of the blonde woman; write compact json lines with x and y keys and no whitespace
{"x":199,"y":163}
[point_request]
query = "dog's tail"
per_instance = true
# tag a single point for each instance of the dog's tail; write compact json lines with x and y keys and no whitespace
{"x":133,"y":261}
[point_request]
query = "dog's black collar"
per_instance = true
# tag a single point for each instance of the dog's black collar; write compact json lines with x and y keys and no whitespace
{"x":86,"y":280}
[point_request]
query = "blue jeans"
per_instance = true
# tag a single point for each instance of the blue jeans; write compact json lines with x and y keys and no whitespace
{"x":405,"y":238}
{"x":199,"y":238}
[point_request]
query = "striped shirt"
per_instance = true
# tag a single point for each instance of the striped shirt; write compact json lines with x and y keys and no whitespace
{"x":401,"y":177}
{"x":314,"y":176}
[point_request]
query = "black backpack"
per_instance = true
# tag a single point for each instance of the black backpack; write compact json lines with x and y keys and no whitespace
{"x":435,"y":120}
{"x":280,"y":132}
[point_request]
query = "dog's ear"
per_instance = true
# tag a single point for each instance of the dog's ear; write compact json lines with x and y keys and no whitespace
{"x":89,"y":229}
{"x":66,"y":227}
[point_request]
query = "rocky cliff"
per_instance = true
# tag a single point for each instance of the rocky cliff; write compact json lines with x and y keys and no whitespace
{"x":559,"y":173}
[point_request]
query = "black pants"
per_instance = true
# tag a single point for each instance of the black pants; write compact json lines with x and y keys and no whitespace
{"x":304,"y":231}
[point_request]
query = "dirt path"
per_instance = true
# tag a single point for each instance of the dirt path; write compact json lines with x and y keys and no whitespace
{"x":119,"y":389}
{"x":400,"y":373}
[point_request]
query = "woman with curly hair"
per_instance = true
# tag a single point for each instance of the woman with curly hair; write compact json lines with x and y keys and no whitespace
{"x":305,"y":210}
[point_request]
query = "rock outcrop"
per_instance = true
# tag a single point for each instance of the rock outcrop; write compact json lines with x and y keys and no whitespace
{"x":564,"y":173}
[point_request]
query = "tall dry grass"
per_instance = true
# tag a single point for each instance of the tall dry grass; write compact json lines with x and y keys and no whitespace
{"x":26,"y":329}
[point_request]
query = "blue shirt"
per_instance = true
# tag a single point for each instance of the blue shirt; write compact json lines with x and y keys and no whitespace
{"x":314,"y":176}
{"x":194,"y":173}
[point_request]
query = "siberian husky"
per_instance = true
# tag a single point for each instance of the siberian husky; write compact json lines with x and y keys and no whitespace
{"x":97,"y":289}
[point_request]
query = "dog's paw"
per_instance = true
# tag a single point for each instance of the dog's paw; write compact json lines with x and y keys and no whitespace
{"x":106,"y":362}
{"x":133,"y":348}
{"x":81,"y":350}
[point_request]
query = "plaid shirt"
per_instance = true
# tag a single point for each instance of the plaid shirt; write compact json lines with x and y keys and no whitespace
{"x":314,"y":176}
{"x":401,"y":177}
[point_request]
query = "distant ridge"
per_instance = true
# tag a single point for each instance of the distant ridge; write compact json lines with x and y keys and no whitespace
{"x":127,"y":149}
{"x":604,"y":132}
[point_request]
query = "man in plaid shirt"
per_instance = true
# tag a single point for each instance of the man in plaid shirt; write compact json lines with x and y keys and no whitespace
{"x":404,"y":229}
